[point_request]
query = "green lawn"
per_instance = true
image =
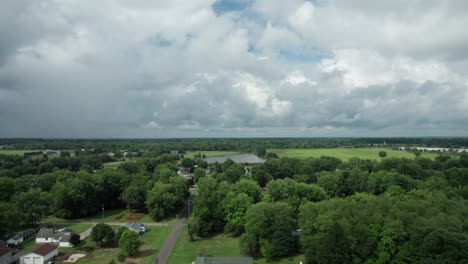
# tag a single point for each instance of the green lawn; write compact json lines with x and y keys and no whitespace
{"x":186,"y":251}
{"x":151,"y":242}
{"x":346,"y":154}
{"x":109,"y":216}
{"x":111,"y":165}
{"x":191,"y":154}
{"x":78,"y":228}
{"x":16,"y":152}
{"x":28,"y":245}
{"x":218,"y":246}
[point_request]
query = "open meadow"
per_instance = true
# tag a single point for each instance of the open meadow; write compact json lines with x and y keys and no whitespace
{"x":186,"y":251}
{"x":191,"y":154}
{"x":346,"y":154}
{"x":16,"y":152}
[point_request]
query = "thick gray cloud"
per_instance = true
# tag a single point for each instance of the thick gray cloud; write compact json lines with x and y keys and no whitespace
{"x":202,"y":68}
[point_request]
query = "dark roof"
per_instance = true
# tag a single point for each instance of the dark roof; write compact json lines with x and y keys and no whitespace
{"x":17,"y":236}
{"x":28,"y":232}
{"x":224,"y":260}
{"x":135,"y":226}
{"x":44,"y":249}
{"x":4,"y":250}
{"x":64,"y":235}
{"x":45,"y":233}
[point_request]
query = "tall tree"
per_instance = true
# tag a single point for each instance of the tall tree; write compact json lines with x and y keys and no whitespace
{"x":129,"y":243}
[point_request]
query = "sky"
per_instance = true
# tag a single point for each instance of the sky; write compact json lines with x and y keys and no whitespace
{"x":233,"y":68}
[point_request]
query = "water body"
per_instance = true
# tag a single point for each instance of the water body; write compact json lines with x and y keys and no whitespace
{"x":238,"y":158}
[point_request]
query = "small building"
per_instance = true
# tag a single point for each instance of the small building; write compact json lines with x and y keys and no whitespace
{"x":53,"y":153}
{"x":21,"y":237}
{"x":136,"y":227}
{"x":61,"y":237}
{"x":15,"y":240}
{"x":8,"y":255}
{"x":43,"y":254}
{"x":223,"y":260}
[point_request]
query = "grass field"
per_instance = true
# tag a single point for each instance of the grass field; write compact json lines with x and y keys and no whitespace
{"x":186,"y":251}
{"x":191,"y":154}
{"x":346,"y":154}
{"x":109,"y":216}
{"x":15,"y":152}
{"x":218,"y":246}
{"x":111,"y":165}
{"x":151,"y":242}
{"x":78,"y":228}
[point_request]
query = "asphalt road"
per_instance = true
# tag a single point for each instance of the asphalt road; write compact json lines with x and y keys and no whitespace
{"x":170,"y":242}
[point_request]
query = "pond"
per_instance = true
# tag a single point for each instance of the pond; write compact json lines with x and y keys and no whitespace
{"x":238,"y":158}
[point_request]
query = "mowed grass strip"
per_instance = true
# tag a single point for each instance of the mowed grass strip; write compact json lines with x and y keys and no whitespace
{"x":186,"y":251}
{"x":109,"y":216}
{"x":346,"y":154}
{"x":78,"y":228}
{"x":222,"y":245}
{"x":191,"y":154}
{"x":16,"y":152}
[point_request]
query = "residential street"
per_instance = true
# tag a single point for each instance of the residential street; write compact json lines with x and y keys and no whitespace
{"x":171,"y":240}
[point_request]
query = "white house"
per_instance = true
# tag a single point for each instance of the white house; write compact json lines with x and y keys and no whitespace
{"x":136,"y":227}
{"x":21,"y":237}
{"x":9,"y":255}
{"x":50,"y":235}
{"x":15,"y":240}
{"x":43,"y":254}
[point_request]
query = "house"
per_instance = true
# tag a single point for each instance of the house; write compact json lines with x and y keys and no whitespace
{"x":43,"y":254}
{"x":21,"y":237}
{"x":8,"y":255}
{"x":223,"y":260}
{"x":61,"y":237}
{"x":136,"y":227}
{"x":53,"y":153}
{"x":15,"y":240}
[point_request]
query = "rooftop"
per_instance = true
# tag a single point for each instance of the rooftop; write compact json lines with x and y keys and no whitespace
{"x":45,"y":233}
{"x":4,"y":250}
{"x":44,"y":249}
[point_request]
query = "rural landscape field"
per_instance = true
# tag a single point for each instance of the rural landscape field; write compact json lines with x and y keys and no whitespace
{"x":253,"y":201}
{"x":233,"y":132}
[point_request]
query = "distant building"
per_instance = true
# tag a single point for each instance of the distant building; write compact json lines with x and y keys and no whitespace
{"x":53,"y":153}
{"x":43,"y":254}
{"x":61,"y":237}
{"x":21,"y":237}
{"x":223,"y":260}
{"x":136,"y":227}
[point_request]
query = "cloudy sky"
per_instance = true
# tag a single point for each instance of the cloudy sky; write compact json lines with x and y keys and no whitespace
{"x":233,"y":68}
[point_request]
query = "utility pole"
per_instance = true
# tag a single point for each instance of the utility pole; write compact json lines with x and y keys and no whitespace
{"x":102,"y":211}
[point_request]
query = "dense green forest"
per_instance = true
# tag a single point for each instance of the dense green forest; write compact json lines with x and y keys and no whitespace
{"x":397,"y":210}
